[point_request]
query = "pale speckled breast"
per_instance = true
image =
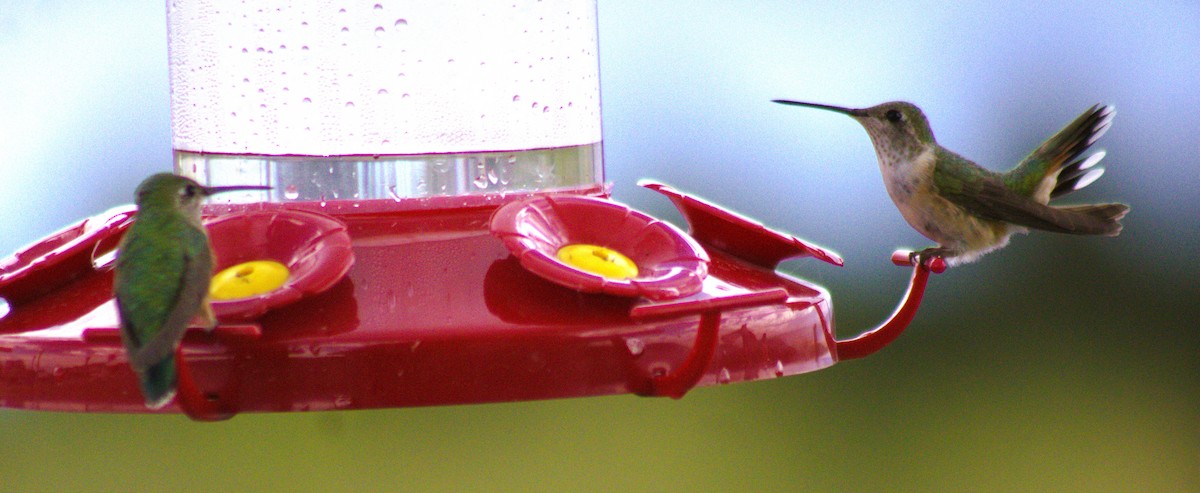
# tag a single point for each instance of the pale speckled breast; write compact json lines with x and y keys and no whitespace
{"x":911,"y":187}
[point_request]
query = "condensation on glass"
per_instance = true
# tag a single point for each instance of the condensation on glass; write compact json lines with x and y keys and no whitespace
{"x":350,"y":101}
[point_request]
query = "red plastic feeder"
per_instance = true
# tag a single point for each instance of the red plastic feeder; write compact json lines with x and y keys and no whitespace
{"x":432,"y":302}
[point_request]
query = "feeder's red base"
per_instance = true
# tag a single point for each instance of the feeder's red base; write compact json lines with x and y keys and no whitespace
{"x":433,"y":311}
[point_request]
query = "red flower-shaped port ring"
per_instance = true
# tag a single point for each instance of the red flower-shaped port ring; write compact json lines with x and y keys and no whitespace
{"x":669,"y":263}
{"x":315,"y":248}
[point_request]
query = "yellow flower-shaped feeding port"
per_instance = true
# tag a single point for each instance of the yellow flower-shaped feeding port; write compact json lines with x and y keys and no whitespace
{"x":604,"y":262}
{"x":248,"y":279}
{"x":559,"y":238}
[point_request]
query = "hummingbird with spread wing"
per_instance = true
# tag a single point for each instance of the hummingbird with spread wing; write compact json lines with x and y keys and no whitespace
{"x":970,"y":210}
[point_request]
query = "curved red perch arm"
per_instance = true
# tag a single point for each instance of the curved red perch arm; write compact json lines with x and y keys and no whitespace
{"x":197,"y":404}
{"x":208,"y":405}
{"x":684,"y":377}
{"x":680,"y":381}
{"x":875,"y":339}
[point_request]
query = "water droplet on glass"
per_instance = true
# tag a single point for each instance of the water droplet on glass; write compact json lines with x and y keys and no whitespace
{"x":382,"y":91}
{"x":506,"y":170}
{"x":393,"y":193}
{"x":345,"y":29}
{"x":306,"y":100}
{"x":516,"y":98}
{"x":379,"y":31}
{"x":290,"y":192}
{"x":349,"y":104}
{"x":544,"y":171}
{"x":378,"y":7}
{"x":779,"y":368}
{"x":401,"y":22}
{"x":481,"y":180}
{"x":342,"y":401}
{"x":635,"y":346}
{"x":493,"y":175}
{"x":724,"y":377}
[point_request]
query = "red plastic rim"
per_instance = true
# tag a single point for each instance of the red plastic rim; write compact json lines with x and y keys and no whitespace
{"x":44,"y":266}
{"x":670,"y":264}
{"x":315,"y":248}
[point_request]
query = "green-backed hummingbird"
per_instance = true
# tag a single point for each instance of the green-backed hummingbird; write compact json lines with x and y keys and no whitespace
{"x":969,"y":210}
{"x":163,"y":268}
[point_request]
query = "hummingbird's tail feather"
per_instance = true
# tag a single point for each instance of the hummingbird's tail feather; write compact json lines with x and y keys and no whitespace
{"x":1091,"y":219}
{"x":1080,"y":173}
{"x":1042,"y":172}
{"x":158,"y":383}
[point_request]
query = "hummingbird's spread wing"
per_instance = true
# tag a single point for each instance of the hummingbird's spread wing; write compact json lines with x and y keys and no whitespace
{"x":1059,"y":156}
{"x":985,"y":194}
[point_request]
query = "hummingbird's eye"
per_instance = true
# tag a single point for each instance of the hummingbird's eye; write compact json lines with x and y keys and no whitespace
{"x":188,"y":191}
{"x":893,"y":116}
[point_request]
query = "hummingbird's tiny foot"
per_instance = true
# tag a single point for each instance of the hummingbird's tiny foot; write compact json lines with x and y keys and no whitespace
{"x":208,"y":318}
{"x":926,"y":257}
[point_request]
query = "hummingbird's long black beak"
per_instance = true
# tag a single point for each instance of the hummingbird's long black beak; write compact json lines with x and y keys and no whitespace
{"x":233,"y":188}
{"x":837,"y":109}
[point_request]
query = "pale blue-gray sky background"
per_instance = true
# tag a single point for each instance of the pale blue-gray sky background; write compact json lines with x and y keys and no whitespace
{"x":1059,"y":363}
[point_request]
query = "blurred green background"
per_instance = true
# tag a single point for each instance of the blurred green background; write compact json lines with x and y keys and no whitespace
{"x":1057,"y":364}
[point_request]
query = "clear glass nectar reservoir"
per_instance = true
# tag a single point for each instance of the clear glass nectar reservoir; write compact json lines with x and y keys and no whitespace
{"x":380,"y":82}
